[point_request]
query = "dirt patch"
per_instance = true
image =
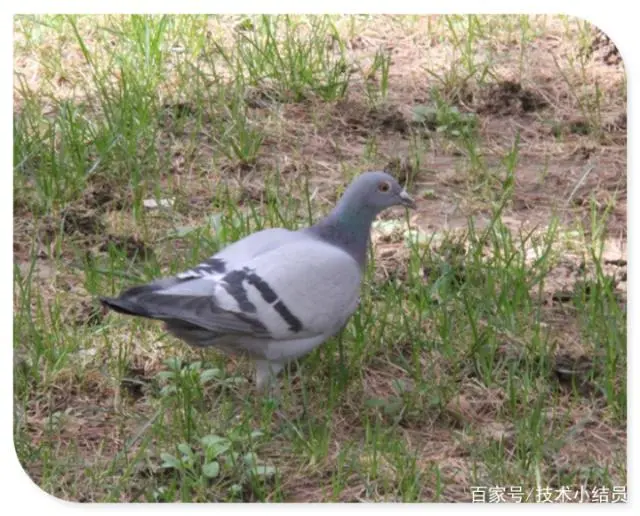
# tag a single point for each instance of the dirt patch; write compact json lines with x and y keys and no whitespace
{"x":83,"y":226}
{"x":75,"y":220}
{"x":131,"y":246}
{"x":135,"y":382}
{"x":575,"y":373}
{"x":185,"y":119}
{"x":361,"y":120}
{"x":476,"y":403}
{"x":509,"y":98}
{"x":180,"y":110}
{"x":82,"y":221}
{"x":403,"y":169}
{"x":87,"y":313}
{"x":266,"y":96}
{"x":619,"y":124}
{"x":605,"y":50}
{"x":102,"y":196}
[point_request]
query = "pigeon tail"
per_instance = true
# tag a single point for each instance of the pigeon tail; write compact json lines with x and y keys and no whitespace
{"x":124,"y":306}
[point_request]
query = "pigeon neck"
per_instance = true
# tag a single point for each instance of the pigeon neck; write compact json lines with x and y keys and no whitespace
{"x":348,"y":226}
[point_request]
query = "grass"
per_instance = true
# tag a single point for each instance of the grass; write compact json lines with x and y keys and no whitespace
{"x":490,"y":345}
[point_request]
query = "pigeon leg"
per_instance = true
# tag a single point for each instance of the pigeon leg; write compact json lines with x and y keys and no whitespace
{"x":266,"y":373}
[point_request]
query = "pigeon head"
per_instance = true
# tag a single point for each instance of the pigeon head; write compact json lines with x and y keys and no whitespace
{"x":349,"y":224}
{"x":376,"y":191}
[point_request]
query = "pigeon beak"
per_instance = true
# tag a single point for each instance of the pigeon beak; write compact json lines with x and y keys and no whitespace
{"x":406,"y":200}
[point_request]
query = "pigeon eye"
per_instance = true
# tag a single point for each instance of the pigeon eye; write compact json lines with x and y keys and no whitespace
{"x":384,"y":186}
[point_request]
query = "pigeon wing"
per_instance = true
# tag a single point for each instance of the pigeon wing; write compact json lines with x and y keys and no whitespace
{"x":299,"y":289}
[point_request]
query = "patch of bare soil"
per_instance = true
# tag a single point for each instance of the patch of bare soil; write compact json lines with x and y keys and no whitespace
{"x":361,"y":120}
{"x":87,"y":313}
{"x":131,"y":246}
{"x":78,"y":219}
{"x":605,"y":49}
{"x":509,"y":98}
{"x":102,"y":196}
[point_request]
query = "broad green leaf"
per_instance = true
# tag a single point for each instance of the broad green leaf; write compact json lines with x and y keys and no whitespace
{"x":210,"y":374}
{"x":212,"y":439}
{"x":250,"y":459}
{"x":169,"y":461}
{"x":211,"y":469}
{"x":185,"y":449}
{"x":215,"y":445}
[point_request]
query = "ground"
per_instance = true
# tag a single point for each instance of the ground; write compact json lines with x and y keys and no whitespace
{"x":488,"y":357}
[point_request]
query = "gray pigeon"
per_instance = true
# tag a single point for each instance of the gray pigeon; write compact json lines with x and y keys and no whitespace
{"x":276,"y":294}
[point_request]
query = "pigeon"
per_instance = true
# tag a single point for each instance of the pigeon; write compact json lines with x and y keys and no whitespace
{"x":276,"y":294}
